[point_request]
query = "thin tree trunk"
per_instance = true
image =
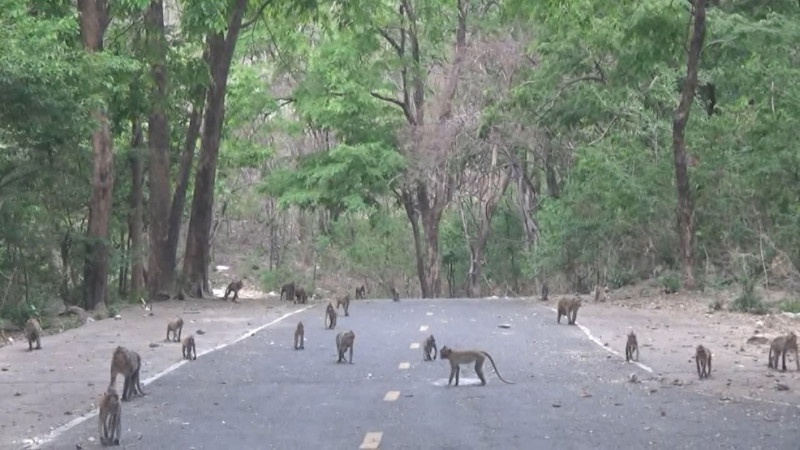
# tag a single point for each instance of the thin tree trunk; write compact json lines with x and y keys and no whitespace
{"x":685,"y":206}
{"x":407,"y":198}
{"x":159,"y":276}
{"x":197,"y":255}
{"x":93,"y":23}
{"x":137,"y":212}
{"x":184,"y":171}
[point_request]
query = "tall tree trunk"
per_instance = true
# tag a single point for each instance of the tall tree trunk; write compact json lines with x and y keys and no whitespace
{"x":496,"y":185}
{"x":197,"y":255}
{"x":160,"y":275}
{"x":137,"y":212}
{"x":407,"y":198}
{"x":685,"y":206}
{"x":184,"y":170}
{"x":93,"y":23}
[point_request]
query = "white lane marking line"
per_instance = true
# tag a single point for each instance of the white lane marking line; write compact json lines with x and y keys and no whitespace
{"x":404,"y":365}
{"x":414,"y":345}
{"x":423,"y":328}
{"x":391,"y":396}
{"x":371,"y":440}
{"x":38,"y":441}
{"x":600,"y":343}
{"x":428,"y":313}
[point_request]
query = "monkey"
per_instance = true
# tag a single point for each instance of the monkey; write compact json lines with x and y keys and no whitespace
{"x":33,"y":332}
{"x":330,"y":317}
{"x":631,"y":346}
{"x":458,"y":357}
{"x":189,"y":350}
{"x":110,"y":423}
{"x":361,"y":292}
{"x":344,"y":341}
{"x":128,"y":363}
{"x":568,"y":307}
{"x":344,"y":301}
{"x":779,"y":347}
{"x":430,"y":344}
{"x":299,"y":336}
{"x":395,"y":295}
{"x":300,"y":296}
{"x":288,"y":289}
{"x":545,"y":291}
{"x":176,"y":327}
{"x":234,"y":286}
{"x":703,"y":360}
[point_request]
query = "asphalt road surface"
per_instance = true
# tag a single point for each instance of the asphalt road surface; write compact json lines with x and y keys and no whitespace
{"x":569,"y":393}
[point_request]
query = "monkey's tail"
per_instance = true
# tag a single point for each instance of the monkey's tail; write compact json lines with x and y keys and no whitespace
{"x":495,"y":369}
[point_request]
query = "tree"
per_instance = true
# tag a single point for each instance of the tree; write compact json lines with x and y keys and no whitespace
{"x":685,"y":205}
{"x":160,"y":271}
{"x":221,"y":45}
{"x":94,"y":20}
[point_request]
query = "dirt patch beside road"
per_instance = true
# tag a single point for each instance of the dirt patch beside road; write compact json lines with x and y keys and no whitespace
{"x":669,"y":328}
{"x":47,"y":388}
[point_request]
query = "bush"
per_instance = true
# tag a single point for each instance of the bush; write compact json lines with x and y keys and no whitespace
{"x":749,"y":301}
{"x":792,"y":306}
{"x":670,"y":281}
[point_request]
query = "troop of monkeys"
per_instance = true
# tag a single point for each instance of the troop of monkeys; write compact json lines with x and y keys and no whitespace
{"x":778,"y":348}
{"x":128,"y":363}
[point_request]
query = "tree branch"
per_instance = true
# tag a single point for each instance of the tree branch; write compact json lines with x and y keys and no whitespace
{"x":257,"y":15}
{"x":394,"y":101}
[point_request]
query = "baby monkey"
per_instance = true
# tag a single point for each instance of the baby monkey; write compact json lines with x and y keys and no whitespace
{"x":299,"y":336}
{"x":631,"y":346}
{"x":175,"y":327}
{"x":110,"y":426}
{"x":189,"y":350}
{"x":430,"y":345}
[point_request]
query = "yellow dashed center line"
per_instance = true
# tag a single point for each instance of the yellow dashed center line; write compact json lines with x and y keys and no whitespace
{"x":414,"y":345}
{"x":371,"y":440}
{"x":391,"y":396}
{"x":404,"y":366}
{"x":423,"y":328}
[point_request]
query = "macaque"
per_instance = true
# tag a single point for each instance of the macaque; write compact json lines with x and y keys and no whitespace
{"x":631,"y":346}
{"x":300,"y":296}
{"x":288,"y":289}
{"x":395,"y":295}
{"x":361,"y":292}
{"x":568,"y":307}
{"x":176,"y":327}
{"x":779,"y":347}
{"x":703,"y":360}
{"x":344,"y":301}
{"x":33,"y":332}
{"x":330,"y":317}
{"x":344,"y":341}
{"x":234,"y":286}
{"x":430,"y":345}
{"x":545,"y":292}
{"x":128,"y":363}
{"x":189,"y":350}
{"x":299,"y":336}
{"x":110,"y":426}
{"x":458,"y":357}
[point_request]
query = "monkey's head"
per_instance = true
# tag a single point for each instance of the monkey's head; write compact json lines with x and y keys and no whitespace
{"x":444,"y":352}
{"x":791,"y":338}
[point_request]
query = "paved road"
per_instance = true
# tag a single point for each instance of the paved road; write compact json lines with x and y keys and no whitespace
{"x":570,"y":393}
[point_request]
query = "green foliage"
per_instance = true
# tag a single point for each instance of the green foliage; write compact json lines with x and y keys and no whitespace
{"x":273,"y":279}
{"x":670,"y":281}
{"x":790,"y":305}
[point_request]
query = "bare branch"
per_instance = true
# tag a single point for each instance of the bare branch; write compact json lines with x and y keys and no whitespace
{"x":394,"y":101}
{"x":257,"y":15}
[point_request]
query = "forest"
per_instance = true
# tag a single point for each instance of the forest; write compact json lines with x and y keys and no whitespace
{"x":448,"y":148}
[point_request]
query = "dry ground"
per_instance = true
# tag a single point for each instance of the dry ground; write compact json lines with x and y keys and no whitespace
{"x":44,"y":389}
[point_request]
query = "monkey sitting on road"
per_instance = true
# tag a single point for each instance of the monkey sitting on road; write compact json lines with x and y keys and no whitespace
{"x":430,"y":346}
{"x":630,"y":346}
{"x":702,"y":358}
{"x":110,"y":426}
{"x":299,"y":336}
